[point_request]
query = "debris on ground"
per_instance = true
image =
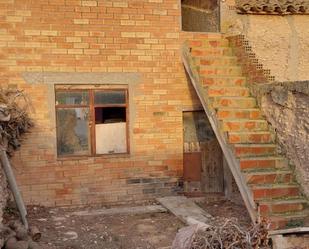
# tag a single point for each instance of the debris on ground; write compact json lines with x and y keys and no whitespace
{"x":229,"y":234}
{"x":185,"y":237}
{"x":16,"y":236}
{"x":14,"y":118}
{"x":63,"y":228}
{"x":224,"y":233}
{"x":14,"y":121}
{"x":226,"y":209}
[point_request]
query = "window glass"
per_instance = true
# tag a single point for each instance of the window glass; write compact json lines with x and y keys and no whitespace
{"x":87,"y":129}
{"x":73,"y":131}
{"x":110,"y":97}
{"x":72,"y":98}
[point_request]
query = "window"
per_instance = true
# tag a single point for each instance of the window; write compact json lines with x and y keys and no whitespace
{"x":200,"y":15}
{"x":91,"y":121}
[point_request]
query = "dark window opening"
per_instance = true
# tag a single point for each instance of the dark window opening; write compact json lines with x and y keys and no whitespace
{"x":106,"y":115}
{"x":200,"y":15}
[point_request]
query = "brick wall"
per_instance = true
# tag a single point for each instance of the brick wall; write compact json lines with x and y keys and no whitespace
{"x":141,"y":36}
{"x":251,"y":66}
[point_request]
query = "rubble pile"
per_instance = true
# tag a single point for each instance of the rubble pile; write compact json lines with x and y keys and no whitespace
{"x":18,"y":237}
{"x":14,"y":118}
{"x":223,"y":233}
{"x":14,"y":121}
{"x":229,"y":234}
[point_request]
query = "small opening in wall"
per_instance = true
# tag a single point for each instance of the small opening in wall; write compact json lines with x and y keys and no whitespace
{"x":107,"y":115}
{"x":200,"y":15}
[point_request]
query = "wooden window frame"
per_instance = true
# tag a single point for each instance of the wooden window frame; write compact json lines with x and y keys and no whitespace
{"x":91,"y":123}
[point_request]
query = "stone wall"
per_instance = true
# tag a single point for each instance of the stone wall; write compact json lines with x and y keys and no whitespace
{"x":273,"y":48}
{"x":279,"y":42}
{"x":286,"y":106}
{"x":290,"y":241}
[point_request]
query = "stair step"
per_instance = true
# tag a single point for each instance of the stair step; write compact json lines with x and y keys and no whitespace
{"x":211,"y":80}
{"x":254,"y":137}
{"x":269,"y":162}
{"x":231,"y":91}
{"x":269,"y":177}
{"x":273,"y":191}
{"x":295,"y":219}
{"x":211,"y":51}
{"x":224,"y":71}
{"x":238,"y":102}
{"x":282,"y":206}
{"x":249,"y":150}
{"x":209,"y":43}
{"x":244,"y":125}
{"x":233,"y":113}
{"x":216,"y":61}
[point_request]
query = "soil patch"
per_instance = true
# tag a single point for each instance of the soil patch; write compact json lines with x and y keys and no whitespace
{"x":62,"y":230}
{"x":227,"y":209}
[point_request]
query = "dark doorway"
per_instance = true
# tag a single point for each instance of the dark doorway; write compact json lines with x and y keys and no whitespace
{"x":200,"y":15}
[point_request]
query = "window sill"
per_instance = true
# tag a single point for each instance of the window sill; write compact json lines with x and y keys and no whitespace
{"x":107,"y":156}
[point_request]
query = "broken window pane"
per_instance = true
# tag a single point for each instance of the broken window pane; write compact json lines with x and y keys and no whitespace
{"x":110,"y":97}
{"x":73,"y":131}
{"x":110,"y":129}
{"x":72,"y":98}
{"x":104,"y":115}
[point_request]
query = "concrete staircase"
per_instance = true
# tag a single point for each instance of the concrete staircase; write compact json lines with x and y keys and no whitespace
{"x":269,"y":181}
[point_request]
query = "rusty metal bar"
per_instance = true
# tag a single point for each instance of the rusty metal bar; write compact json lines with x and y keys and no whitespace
{"x":13,"y":186}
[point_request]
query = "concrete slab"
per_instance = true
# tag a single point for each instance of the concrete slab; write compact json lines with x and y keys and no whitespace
{"x":290,"y":241}
{"x":123,"y":210}
{"x":186,"y":210}
{"x":295,"y":230}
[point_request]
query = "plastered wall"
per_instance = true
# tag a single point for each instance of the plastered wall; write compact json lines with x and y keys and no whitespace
{"x":279,"y":42}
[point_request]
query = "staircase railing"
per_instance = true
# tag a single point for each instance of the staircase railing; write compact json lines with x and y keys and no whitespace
{"x":228,"y":153}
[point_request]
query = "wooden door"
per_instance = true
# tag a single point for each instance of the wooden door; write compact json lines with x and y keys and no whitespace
{"x":202,"y":159}
{"x":212,"y":167}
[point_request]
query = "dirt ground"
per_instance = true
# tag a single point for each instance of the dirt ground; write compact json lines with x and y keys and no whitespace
{"x":227,"y":209}
{"x":63,"y":230}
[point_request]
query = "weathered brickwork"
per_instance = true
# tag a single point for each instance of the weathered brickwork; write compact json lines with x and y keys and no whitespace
{"x":251,"y":66}
{"x":99,"y":36}
{"x":225,"y":93}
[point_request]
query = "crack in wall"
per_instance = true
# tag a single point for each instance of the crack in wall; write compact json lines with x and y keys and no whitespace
{"x":293,"y":58}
